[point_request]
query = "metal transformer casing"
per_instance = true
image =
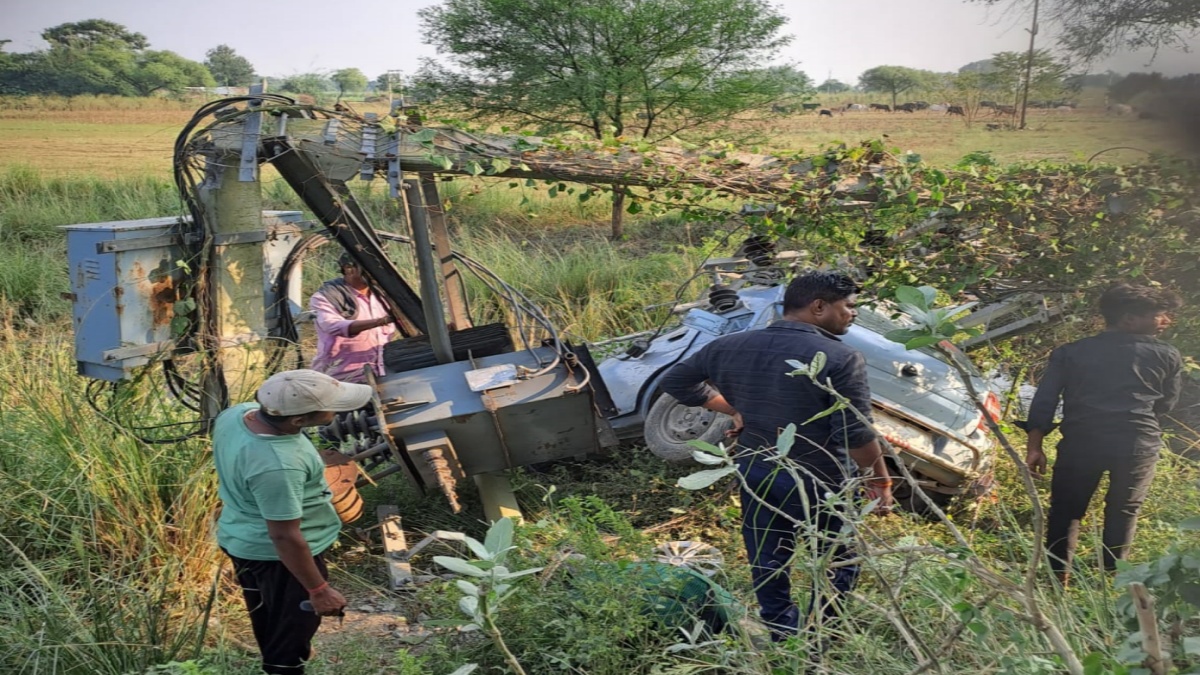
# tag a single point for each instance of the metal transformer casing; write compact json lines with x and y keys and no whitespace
{"x":517,"y":423}
{"x":126,"y":277}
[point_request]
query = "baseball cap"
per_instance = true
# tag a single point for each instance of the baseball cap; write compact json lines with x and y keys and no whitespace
{"x":299,"y":392}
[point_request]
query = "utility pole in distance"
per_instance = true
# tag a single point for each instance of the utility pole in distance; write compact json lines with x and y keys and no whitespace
{"x":1033,"y":31}
{"x":393,"y":76}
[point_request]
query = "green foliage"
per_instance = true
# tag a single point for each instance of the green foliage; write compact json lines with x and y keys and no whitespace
{"x":99,"y":57}
{"x":1046,"y":81}
{"x":833,"y":87}
{"x":93,"y":33}
{"x":349,"y":80}
{"x":677,"y":64}
{"x":313,"y":84}
{"x":896,"y":80}
{"x":228,"y":68}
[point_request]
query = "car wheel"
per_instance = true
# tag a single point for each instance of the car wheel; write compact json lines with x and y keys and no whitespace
{"x":906,"y":498}
{"x":670,"y":426}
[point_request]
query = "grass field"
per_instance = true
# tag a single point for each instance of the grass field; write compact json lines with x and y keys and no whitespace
{"x":114,"y":571}
{"x":125,"y":142}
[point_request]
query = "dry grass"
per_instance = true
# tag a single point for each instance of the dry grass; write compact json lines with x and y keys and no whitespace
{"x":941,"y":139}
{"x":113,"y":142}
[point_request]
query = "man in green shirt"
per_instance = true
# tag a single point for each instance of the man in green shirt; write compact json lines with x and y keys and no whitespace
{"x":277,"y":518}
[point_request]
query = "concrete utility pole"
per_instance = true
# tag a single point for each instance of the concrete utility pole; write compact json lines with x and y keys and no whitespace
{"x":393,"y":76}
{"x":1033,"y":31}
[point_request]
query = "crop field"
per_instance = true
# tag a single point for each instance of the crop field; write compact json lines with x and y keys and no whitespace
{"x":112,"y":564}
{"x":125,"y":142}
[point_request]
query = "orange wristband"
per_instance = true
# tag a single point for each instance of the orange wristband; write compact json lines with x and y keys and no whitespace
{"x":318,"y":588}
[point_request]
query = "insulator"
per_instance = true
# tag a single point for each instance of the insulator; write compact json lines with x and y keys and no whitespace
{"x":759,"y":250}
{"x":722,"y":298}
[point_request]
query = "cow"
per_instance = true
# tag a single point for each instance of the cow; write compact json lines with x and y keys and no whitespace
{"x":956,"y":110}
{"x":1119,"y":109}
{"x":825,"y":113}
{"x":938,"y":107}
{"x":855,"y":107}
{"x":921,"y":105}
{"x":907,"y":107}
{"x":1004,"y":110}
{"x":781,"y":109}
{"x":881,"y":106}
{"x":1064,"y":109}
{"x":987,"y":104}
{"x":810,"y":106}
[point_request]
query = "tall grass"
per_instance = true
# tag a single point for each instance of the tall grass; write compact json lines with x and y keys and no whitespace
{"x":107,"y":540}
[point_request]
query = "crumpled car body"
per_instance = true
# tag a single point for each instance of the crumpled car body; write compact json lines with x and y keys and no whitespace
{"x":921,"y":405}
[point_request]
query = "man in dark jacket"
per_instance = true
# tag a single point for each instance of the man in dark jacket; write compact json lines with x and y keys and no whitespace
{"x":1113,"y":386}
{"x":746,"y":375}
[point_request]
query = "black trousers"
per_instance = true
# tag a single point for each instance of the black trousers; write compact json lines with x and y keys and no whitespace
{"x":282,"y":630}
{"x":771,"y":545}
{"x":1077,"y":473}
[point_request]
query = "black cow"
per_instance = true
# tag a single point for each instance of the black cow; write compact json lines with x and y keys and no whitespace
{"x":907,"y":107}
{"x":881,"y":106}
{"x":956,"y":110}
{"x":825,"y":113}
{"x":811,"y":106}
{"x":921,"y":105}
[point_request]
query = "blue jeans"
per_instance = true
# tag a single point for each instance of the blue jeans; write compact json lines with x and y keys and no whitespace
{"x":771,"y":543}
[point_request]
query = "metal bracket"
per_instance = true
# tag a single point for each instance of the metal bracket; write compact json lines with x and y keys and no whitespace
{"x":329,"y":135}
{"x":233,"y":238}
{"x":370,"y":134}
{"x":119,"y":245}
{"x":393,"y":174}
{"x":248,"y":166}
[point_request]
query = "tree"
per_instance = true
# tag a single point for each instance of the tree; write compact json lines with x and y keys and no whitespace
{"x":228,"y":68}
{"x":93,"y":33}
{"x":653,"y":68}
{"x":895,"y":80}
{"x":99,"y":57}
{"x":982,"y":66}
{"x":349,"y":79}
{"x":1046,"y":81}
{"x":1128,"y":87}
{"x":968,"y":89}
{"x":313,"y":84}
{"x":833,"y":87}
{"x":155,"y":71}
{"x":1091,"y":29}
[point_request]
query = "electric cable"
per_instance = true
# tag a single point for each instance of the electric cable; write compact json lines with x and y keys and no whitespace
{"x":697,"y":274}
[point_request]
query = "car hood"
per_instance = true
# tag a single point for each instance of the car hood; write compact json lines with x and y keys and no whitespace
{"x":930,"y":392}
{"x":934,"y":396}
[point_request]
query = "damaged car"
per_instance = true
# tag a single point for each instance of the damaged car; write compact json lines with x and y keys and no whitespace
{"x":921,"y":405}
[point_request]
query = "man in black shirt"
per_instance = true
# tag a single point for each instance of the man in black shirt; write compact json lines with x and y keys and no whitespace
{"x":1113,"y":385}
{"x":745,"y":375}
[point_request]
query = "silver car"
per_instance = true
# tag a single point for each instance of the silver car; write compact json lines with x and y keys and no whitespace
{"x":921,"y":405}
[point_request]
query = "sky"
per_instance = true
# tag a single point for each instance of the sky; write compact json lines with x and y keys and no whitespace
{"x":832,"y":38}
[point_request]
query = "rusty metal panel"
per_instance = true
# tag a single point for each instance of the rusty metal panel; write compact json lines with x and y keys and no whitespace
{"x":123,"y":298}
{"x":126,"y":277}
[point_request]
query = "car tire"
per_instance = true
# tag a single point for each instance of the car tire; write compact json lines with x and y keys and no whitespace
{"x":907,"y":499}
{"x":670,"y":426}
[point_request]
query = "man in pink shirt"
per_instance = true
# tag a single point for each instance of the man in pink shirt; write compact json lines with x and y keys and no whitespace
{"x":353,"y":325}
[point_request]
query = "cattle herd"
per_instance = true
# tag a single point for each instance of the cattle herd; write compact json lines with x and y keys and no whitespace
{"x":996,"y":109}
